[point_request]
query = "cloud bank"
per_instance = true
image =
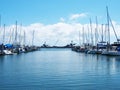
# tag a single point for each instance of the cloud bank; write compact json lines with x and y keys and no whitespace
{"x":60,"y":33}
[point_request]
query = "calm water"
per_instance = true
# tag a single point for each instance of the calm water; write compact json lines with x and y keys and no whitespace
{"x":59,"y":69}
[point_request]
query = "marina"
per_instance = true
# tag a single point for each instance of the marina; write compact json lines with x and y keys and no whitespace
{"x":94,"y":41}
{"x":96,"y":46}
{"x":59,"y":45}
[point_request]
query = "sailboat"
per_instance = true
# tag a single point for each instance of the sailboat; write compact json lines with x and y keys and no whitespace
{"x":92,"y":48}
{"x":112,"y":49}
{"x":7,"y":47}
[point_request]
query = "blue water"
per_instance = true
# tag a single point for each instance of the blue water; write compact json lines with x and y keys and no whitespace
{"x":59,"y":69}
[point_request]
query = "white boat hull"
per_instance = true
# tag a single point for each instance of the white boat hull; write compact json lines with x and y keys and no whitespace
{"x":111,"y":53}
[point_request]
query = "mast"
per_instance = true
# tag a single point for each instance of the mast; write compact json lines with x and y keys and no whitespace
{"x":79,"y":39}
{"x":20,"y":38}
{"x":110,"y":22}
{"x":10,"y":36}
{"x":114,"y":30}
{"x":91,"y":32}
{"x":108,"y":25}
{"x":102,"y":33}
{"x":16,"y":33}
{"x":88,"y":37}
{"x":0,"y":22}
{"x":24,"y":37}
{"x":96,"y":32}
{"x":105,"y":32}
{"x":83,"y":36}
{"x":33,"y":37}
{"x":4,"y":34}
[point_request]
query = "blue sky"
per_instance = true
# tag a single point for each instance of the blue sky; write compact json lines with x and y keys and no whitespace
{"x":58,"y":20}
{"x":50,"y":11}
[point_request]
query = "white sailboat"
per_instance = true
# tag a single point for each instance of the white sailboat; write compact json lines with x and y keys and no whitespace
{"x":110,"y":51}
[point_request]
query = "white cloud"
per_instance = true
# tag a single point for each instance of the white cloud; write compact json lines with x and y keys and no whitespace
{"x":76,"y":16}
{"x":61,"y":32}
{"x":62,"y":19}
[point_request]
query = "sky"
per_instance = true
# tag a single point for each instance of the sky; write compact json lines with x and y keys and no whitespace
{"x":56,"y":20}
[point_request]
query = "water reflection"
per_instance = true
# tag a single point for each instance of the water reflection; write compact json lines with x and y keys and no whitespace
{"x":108,"y":64}
{"x":59,"y":69}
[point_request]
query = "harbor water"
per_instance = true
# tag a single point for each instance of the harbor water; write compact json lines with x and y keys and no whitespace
{"x":59,"y":69}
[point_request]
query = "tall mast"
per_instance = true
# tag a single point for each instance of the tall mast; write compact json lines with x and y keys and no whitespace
{"x":105,"y":32}
{"x":83,"y":36}
{"x":91,"y":32}
{"x":110,"y":22}
{"x":114,"y":29}
{"x":108,"y":25}
{"x":96,"y":32}
{"x":20,"y":39}
{"x":4,"y":34}
{"x":24,"y":37}
{"x":102,"y":33}
{"x":79,"y":39}
{"x":16,"y":33}
{"x":33,"y":37}
{"x":88,"y":35}
{"x":10,"y":36}
{"x":0,"y":22}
